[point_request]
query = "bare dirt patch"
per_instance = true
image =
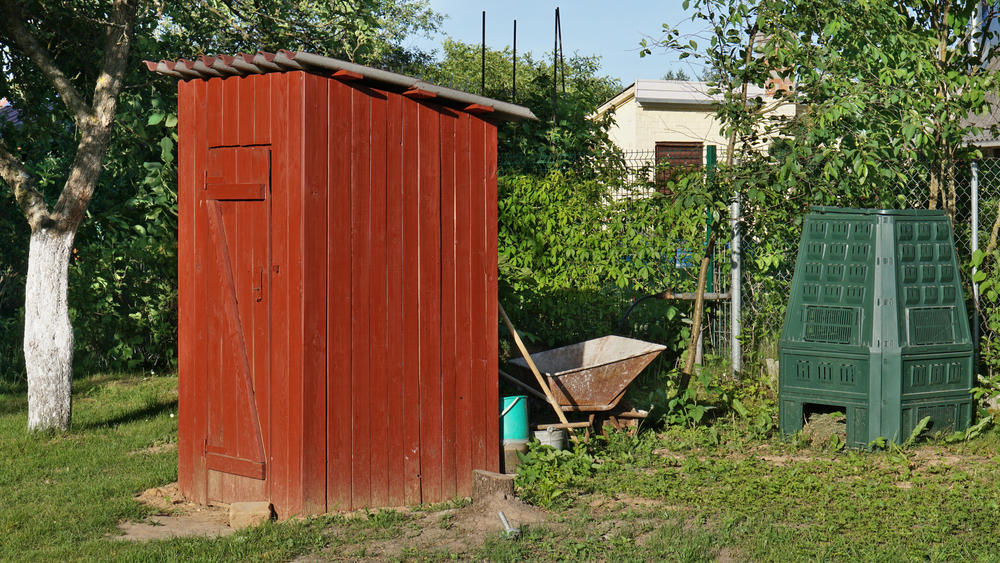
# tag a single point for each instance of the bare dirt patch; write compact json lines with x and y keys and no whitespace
{"x":456,"y":531}
{"x":783,"y":460}
{"x":175,"y":517}
{"x":170,"y":446}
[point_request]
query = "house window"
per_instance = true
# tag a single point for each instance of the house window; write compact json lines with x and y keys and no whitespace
{"x":674,"y":158}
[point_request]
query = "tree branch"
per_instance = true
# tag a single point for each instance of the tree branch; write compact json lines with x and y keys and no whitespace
{"x":96,"y":129}
{"x":28,"y":198}
{"x":14,"y":24}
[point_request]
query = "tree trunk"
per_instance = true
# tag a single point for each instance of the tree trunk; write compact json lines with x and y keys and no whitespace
{"x":48,"y":334}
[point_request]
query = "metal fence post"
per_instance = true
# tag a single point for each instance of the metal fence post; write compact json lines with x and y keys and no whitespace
{"x":974,"y":187}
{"x":735,"y":286}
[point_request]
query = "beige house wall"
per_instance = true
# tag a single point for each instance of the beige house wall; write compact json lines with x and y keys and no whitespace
{"x":640,"y":127}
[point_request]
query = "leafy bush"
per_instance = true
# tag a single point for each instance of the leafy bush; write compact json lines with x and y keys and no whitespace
{"x":575,"y":250}
{"x":546,"y":475}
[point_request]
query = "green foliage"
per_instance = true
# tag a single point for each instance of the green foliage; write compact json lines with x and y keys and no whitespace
{"x":574,"y":250}
{"x":370,"y":32}
{"x":123,"y":288}
{"x":123,"y":271}
{"x":987,"y":389}
{"x":870,"y":109}
{"x":917,"y":431}
{"x":546,"y":475}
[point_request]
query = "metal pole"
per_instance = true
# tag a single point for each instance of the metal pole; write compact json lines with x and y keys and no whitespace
{"x":482,"y":76}
{"x":975,"y":246}
{"x":735,"y":287}
{"x":555,"y":63}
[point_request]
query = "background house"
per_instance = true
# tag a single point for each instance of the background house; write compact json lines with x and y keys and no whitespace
{"x":671,"y":121}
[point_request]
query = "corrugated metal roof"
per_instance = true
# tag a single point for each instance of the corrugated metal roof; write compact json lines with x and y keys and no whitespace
{"x":984,"y":121}
{"x":681,"y":92}
{"x":243,"y":64}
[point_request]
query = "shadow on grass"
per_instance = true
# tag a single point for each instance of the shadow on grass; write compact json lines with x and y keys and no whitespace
{"x":149,"y":411}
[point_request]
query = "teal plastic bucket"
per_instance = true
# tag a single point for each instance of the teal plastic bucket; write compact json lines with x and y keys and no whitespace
{"x":514,"y":414}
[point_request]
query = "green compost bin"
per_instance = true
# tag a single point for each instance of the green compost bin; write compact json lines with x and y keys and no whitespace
{"x":876,"y":325}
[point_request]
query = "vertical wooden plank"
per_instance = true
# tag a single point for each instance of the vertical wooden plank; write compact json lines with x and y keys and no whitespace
{"x":225,"y":367}
{"x":448,"y":264}
{"x":230,"y":110}
{"x":242,"y":257}
{"x":429,"y":176}
{"x":279,"y":463}
{"x":294,"y":187}
{"x":261,"y":109}
{"x":477,"y":267}
{"x":395,"y":373}
{"x":466,"y":417}
{"x":360,"y":302}
{"x":490,"y":317}
{"x":199,"y":393}
{"x":187,"y":433}
{"x":411,"y":305}
{"x":313,"y":304}
{"x":263,"y":263}
{"x":244,"y":118}
{"x":339,"y":414}
{"x":378,"y":306}
{"x":259,"y":266}
{"x":214,"y":110}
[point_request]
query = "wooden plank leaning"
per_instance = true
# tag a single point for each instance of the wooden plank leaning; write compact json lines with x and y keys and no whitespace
{"x":531,"y":365}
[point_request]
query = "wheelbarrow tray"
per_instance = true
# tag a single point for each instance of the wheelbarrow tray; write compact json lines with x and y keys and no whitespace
{"x":593,"y":376}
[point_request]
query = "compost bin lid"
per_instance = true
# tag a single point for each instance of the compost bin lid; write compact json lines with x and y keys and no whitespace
{"x":864,"y":211}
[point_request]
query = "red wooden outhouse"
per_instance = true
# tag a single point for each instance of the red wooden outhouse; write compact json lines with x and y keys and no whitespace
{"x":337,"y":283}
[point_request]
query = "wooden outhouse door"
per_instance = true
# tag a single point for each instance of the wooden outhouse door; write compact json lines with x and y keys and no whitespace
{"x":236,"y":280}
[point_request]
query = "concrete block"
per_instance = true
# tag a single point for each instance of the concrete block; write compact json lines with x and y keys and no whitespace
{"x":246,"y":514}
{"x":510,"y":459}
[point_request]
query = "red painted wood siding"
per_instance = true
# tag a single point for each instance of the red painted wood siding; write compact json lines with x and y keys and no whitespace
{"x":412,"y":289}
{"x":380,"y":288}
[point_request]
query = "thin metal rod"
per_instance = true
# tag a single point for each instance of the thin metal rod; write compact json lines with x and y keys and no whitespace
{"x":482,"y":76}
{"x":555,"y":65}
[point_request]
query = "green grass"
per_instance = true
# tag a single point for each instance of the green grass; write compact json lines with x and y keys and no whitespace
{"x":698,"y":494}
{"x":684,"y":494}
{"x":63,"y":494}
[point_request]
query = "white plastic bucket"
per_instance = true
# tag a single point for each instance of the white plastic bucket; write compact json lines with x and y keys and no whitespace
{"x":555,"y":437}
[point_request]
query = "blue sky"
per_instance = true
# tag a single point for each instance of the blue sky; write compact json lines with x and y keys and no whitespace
{"x":609,"y":29}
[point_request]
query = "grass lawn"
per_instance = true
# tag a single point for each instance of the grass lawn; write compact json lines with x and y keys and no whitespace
{"x":685,"y":494}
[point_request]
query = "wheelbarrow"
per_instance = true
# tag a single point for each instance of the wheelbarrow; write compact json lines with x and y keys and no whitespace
{"x":592,"y":377}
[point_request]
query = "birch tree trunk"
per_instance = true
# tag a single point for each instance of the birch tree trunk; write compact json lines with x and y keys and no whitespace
{"x":48,"y":334}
